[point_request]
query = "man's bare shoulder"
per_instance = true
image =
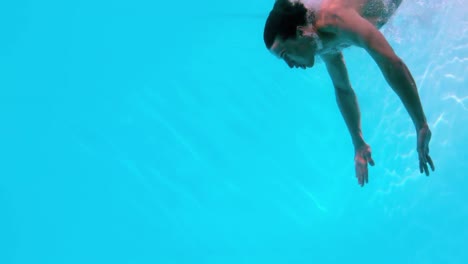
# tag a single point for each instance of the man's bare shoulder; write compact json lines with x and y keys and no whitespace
{"x":377,"y":12}
{"x":330,"y":17}
{"x":353,"y":4}
{"x":371,"y":8}
{"x":334,"y":14}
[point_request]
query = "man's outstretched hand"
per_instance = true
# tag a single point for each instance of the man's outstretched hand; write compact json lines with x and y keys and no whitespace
{"x":362,"y":156}
{"x":424,"y":136}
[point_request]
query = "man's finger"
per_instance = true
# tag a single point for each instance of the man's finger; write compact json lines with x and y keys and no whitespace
{"x":368,"y":157}
{"x":422,"y":157}
{"x":426,"y":169}
{"x":361,"y":176}
{"x":357,"y":174}
{"x":367,"y":176}
{"x":429,"y":160}
{"x":423,"y":161}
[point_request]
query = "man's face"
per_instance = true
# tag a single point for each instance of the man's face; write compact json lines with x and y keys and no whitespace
{"x":297,"y":53}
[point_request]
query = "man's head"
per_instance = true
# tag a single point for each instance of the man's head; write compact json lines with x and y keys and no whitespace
{"x":289,"y":33}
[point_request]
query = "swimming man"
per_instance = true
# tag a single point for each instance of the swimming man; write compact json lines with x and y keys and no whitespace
{"x":298,"y":30}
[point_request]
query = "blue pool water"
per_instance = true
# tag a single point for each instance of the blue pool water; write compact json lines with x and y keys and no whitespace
{"x":164,"y":132}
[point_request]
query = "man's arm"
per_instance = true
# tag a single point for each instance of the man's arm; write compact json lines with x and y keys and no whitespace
{"x":349,"y":107}
{"x":348,"y":24}
{"x":345,"y":96}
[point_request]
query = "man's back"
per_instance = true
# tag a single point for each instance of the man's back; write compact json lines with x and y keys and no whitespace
{"x":375,"y":11}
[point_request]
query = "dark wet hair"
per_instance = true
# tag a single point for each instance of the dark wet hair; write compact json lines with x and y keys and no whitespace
{"x":283,"y":20}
